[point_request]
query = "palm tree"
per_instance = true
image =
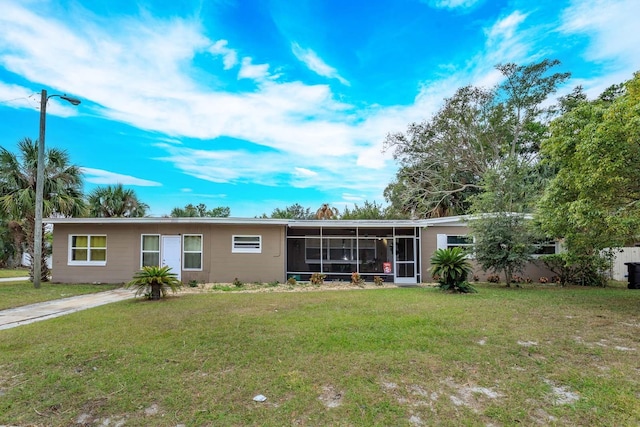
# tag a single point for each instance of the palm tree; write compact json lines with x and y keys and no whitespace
{"x":115,"y":201}
{"x":155,"y":282}
{"x":62,"y":190}
{"x":327,"y":212}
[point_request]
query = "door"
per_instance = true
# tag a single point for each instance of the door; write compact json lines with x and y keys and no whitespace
{"x":405,"y":259}
{"x":170,"y":252}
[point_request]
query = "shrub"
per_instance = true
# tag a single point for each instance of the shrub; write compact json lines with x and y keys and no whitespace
{"x":317,"y":278}
{"x":452,"y":268}
{"x":237,"y":283}
{"x":356,"y":279}
{"x":155,"y":282}
{"x":494,"y":278}
{"x":378,"y":281}
{"x":193,"y":283}
{"x":292,"y":281}
{"x":543,"y":279}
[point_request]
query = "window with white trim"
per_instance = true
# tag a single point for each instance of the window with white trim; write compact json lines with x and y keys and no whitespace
{"x":192,"y":251}
{"x":446,"y":241}
{"x":150,"y":250}
{"x":545,"y":248}
{"x":87,"y":249}
{"x":246,"y":244}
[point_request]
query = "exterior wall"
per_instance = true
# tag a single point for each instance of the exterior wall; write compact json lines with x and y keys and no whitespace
{"x":534,"y":270}
{"x":219,"y":264}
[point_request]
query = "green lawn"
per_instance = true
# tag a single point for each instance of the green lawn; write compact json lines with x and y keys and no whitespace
{"x":18,"y":293}
{"x":386,"y":357}
{"x":13,"y":272}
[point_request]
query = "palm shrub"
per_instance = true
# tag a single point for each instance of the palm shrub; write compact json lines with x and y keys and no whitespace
{"x":155,"y":282}
{"x":452,"y":268}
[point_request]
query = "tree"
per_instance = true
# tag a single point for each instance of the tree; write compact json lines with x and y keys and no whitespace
{"x":369,"y":210}
{"x":443,"y":160}
{"x":62,"y":190}
{"x":115,"y":201}
{"x":295,"y":211}
{"x":200,"y":211}
{"x":327,"y":212}
{"x":593,"y":201}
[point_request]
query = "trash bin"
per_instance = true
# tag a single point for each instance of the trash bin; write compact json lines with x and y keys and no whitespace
{"x":633,"y":274}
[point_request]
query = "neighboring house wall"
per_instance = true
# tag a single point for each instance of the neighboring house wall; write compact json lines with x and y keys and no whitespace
{"x":619,"y":271}
{"x":219,"y":263}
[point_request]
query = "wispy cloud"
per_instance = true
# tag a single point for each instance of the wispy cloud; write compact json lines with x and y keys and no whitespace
{"x":611,"y":29}
{"x":454,"y":4}
{"x":316,"y":64}
{"x":103,"y":177}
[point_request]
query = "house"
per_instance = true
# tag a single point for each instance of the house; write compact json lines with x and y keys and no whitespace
{"x":218,"y":250}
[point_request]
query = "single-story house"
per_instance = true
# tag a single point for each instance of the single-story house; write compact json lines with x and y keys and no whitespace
{"x":218,"y":250}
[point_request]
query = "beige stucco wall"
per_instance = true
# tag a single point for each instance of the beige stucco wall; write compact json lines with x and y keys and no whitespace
{"x":219,"y":264}
{"x":429,"y":244}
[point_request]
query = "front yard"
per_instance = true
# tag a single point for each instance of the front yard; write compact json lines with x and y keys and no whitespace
{"x":393,"y":356}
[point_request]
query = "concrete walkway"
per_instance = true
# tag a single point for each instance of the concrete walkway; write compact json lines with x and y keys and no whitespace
{"x":49,"y":309}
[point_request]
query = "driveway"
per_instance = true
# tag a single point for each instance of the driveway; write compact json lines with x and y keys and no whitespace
{"x":49,"y":309}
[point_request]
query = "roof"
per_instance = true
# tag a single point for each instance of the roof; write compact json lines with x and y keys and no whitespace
{"x":460,"y":220}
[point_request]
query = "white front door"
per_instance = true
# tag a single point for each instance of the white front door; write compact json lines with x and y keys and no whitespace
{"x":405,"y":260}
{"x":170,"y":253}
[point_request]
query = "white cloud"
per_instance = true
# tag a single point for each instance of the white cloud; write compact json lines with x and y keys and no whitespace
{"x":316,"y":64}
{"x":611,"y":29}
{"x":304,"y":172}
{"x":251,"y":71}
{"x":99,"y":176}
{"x":455,"y":4}
{"x":229,"y":56}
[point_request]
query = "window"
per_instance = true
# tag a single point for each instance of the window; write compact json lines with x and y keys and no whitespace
{"x":192,"y":251}
{"x":246,"y":244}
{"x":150,"y":250}
{"x":87,"y":250}
{"x":452,"y":241}
{"x":544,"y":248}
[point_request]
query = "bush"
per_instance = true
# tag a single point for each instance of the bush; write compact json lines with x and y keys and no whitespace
{"x":193,"y":283}
{"x":452,"y":268}
{"x":291,"y":281}
{"x":237,"y":283}
{"x":378,"y":281}
{"x":585,"y":270}
{"x":317,"y":278}
{"x":356,"y":279}
{"x":494,"y":278}
{"x":155,"y":282}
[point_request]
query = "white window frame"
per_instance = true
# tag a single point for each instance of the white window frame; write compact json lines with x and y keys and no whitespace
{"x":70,"y":261}
{"x":184,"y":252}
{"x":143,"y":251}
{"x":240,"y":248}
{"x":549,"y":243}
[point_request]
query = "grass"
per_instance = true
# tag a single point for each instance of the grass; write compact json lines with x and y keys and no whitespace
{"x":18,"y":293}
{"x":13,"y":272}
{"x":401,"y":357}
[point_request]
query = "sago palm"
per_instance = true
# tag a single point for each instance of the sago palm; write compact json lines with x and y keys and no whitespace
{"x":452,"y":268}
{"x":155,"y":282}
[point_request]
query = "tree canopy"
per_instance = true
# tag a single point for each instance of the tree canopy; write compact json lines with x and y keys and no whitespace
{"x":62,"y":190}
{"x":115,"y":201}
{"x":200,"y":210}
{"x":594,"y":200}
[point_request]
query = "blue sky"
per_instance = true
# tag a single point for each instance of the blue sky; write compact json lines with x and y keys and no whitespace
{"x":261,"y":104}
